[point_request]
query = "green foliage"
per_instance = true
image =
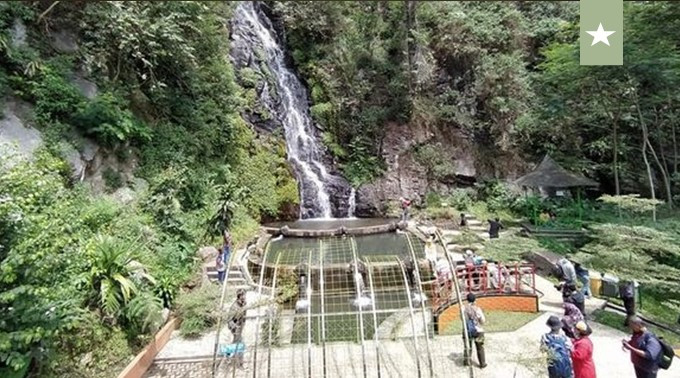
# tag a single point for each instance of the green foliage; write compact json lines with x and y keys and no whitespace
{"x":362,"y":165}
{"x":508,"y":249}
{"x":631,"y":202}
{"x":198,"y":310}
{"x":460,"y":199}
{"x":438,"y":166}
{"x":627,"y":251}
{"x":107,"y":119}
{"x":112,"y":178}
{"x":113,"y":278}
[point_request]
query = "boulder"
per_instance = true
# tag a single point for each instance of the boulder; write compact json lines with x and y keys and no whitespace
{"x":86,"y":87}
{"x":207,"y":253}
{"x":23,"y":139}
{"x":73,"y":158}
{"x":124,"y":195}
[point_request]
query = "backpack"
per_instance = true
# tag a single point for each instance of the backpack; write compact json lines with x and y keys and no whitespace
{"x":560,"y":359}
{"x":667,"y":354}
{"x":471,"y":327}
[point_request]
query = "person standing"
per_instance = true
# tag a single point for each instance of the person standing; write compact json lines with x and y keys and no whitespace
{"x":237,"y":320}
{"x":558,"y":347}
{"x":494,"y":227}
{"x":582,"y":354}
{"x":221,"y":268}
{"x":583,"y":276}
{"x":463,"y":221}
{"x":576,"y":298}
{"x":572,"y":315}
{"x":405,"y":205}
{"x":644,"y":347}
{"x":226,"y":247}
{"x":627,"y":293}
{"x":474,"y":317}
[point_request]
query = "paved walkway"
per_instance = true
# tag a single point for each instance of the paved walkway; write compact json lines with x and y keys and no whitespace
{"x":509,"y":354}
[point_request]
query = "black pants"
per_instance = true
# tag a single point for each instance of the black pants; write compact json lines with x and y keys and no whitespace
{"x":479,"y":345}
{"x":644,"y":374}
{"x":629,"y":304}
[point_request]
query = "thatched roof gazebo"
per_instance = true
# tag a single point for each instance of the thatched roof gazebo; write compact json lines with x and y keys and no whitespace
{"x":550,"y":178}
{"x":549,"y":174}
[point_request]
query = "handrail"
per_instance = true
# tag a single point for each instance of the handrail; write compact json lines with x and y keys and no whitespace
{"x":359,"y":304}
{"x":309,"y":315}
{"x":375,"y":321}
{"x":410,"y":306}
{"x":323,"y":306}
{"x":269,"y":349}
{"x":466,"y":338}
{"x":422,"y":303}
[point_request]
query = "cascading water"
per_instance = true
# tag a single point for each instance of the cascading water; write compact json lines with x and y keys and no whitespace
{"x":255,"y":39}
{"x":352,"y":203}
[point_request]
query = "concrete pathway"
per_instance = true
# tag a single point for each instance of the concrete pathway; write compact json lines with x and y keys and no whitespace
{"x":509,"y":354}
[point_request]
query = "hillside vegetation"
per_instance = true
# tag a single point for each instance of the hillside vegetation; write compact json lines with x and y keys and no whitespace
{"x":82,"y":257}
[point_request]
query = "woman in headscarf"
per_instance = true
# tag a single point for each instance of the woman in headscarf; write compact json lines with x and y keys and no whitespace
{"x":572,"y":315}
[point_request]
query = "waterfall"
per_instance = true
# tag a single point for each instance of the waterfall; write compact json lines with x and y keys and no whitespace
{"x":292,"y":111}
{"x":352,"y":203}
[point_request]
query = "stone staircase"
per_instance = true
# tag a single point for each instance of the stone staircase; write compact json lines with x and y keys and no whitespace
{"x":235,"y":278}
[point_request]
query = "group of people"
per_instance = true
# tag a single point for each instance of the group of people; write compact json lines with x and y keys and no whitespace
{"x":568,"y":345}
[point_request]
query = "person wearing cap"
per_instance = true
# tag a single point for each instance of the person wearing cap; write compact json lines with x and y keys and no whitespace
{"x":582,"y":354}
{"x":475,"y":315}
{"x":644,"y":347}
{"x":558,"y":347}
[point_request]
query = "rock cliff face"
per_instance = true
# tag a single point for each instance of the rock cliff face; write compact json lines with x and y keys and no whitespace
{"x":406,"y":177}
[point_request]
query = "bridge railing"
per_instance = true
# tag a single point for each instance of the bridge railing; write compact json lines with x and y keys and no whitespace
{"x":485,"y":279}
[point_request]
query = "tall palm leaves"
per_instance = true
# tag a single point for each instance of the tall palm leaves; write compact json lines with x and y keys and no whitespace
{"x":114,"y":275}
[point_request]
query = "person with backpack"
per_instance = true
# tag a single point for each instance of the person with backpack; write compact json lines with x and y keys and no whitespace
{"x":474,"y":319}
{"x":645,"y":349}
{"x":558,"y":347}
{"x":582,"y":353}
{"x":574,"y":297}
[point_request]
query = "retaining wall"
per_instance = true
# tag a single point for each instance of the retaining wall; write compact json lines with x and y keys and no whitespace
{"x":499,"y":302}
{"x":137,"y":367}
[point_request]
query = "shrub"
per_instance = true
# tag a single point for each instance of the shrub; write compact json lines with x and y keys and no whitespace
{"x":109,"y":121}
{"x":112,"y":178}
{"x":198,"y":310}
{"x":461,"y":199}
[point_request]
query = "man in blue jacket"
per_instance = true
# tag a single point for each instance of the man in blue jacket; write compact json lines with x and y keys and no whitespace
{"x":645,"y":349}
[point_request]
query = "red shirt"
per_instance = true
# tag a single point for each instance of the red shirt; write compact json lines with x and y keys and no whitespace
{"x":582,"y":358}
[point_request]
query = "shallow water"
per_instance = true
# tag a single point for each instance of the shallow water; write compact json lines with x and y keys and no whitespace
{"x":333,"y":223}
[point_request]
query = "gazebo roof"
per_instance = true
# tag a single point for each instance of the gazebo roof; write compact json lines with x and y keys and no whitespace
{"x":551,"y":174}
